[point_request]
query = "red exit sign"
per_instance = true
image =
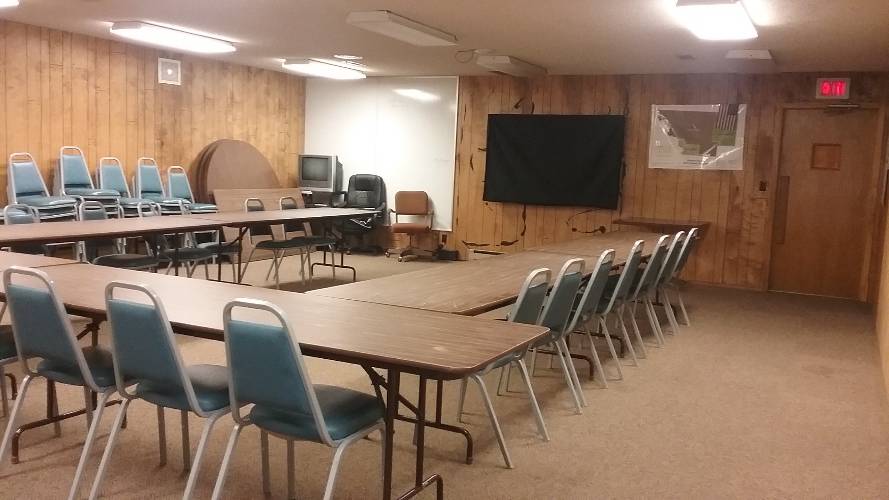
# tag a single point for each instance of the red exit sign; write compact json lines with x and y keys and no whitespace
{"x":832,"y":88}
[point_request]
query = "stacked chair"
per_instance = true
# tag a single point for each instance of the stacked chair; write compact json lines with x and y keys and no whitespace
{"x":667,"y":271}
{"x":27,"y":187}
{"x":73,"y":179}
{"x":585,"y":313}
{"x":645,"y":291}
{"x":149,"y":185}
{"x":110,"y":176}
{"x":178,"y":187}
{"x":23,"y":214}
{"x":673,"y":281}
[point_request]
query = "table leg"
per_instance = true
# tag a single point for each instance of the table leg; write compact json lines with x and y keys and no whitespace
{"x":393,"y":382}
{"x":241,"y":233}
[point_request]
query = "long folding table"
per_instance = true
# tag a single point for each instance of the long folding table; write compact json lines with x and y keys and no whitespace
{"x":431,"y":345}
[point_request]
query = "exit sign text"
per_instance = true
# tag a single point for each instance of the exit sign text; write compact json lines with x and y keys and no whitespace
{"x":832,"y":88}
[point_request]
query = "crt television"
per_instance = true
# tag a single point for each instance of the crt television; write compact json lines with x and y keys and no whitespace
{"x":320,"y":173}
{"x":568,"y":160}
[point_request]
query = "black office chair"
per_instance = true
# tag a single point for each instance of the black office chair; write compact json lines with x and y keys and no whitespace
{"x":364,"y":191}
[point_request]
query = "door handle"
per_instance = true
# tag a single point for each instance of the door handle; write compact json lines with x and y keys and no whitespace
{"x":782,"y":198}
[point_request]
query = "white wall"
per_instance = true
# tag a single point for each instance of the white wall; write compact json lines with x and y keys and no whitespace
{"x":409,"y":142}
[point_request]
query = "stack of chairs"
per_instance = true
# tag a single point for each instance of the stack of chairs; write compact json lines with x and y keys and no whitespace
{"x":110,"y":176}
{"x":27,"y":187}
{"x":73,"y":179}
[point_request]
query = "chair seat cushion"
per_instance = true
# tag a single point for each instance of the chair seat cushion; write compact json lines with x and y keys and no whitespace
{"x":410,"y":227}
{"x":210,"y":384}
{"x":47,"y":201}
{"x":197,"y":208}
{"x":220,"y":248}
{"x":164,"y":200}
{"x":188,"y":254}
{"x":88,"y":191}
{"x":97,"y":359}
{"x":133,"y":202}
{"x":345,"y":413}
{"x":7,"y":344}
{"x":280,"y":244}
{"x":126,"y":261}
{"x":320,"y":240}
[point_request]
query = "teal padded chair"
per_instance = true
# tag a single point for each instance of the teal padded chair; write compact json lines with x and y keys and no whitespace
{"x":556,"y":314}
{"x":278,"y":247}
{"x":148,"y":366}
{"x":666,"y":274}
{"x":585,"y":310}
{"x":267,"y":371}
{"x":617,"y":289}
{"x":644,"y":292}
{"x":526,"y":310}
{"x":178,"y":187}
{"x":110,"y":176}
{"x":25,"y":185}
{"x":41,"y":329}
{"x":23,"y":214}
{"x":691,"y":239}
{"x":148,"y":185}
{"x":89,"y":250}
{"x":73,"y":179}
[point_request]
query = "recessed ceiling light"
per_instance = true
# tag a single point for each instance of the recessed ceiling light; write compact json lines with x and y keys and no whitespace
{"x":716,"y":19}
{"x":400,"y":28}
{"x":347,"y":57}
{"x":417,"y":95}
{"x":170,"y":37}
{"x":323,"y":69}
{"x":9,"y":3}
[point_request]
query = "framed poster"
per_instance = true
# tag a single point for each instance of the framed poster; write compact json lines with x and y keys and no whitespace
{"x":698,"y":137}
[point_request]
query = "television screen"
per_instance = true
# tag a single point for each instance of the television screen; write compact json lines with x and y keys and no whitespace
{"x":315,"y":168}
{"x":569,"y":160}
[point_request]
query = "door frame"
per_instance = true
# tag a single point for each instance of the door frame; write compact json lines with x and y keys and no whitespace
{"x":875,"y":196}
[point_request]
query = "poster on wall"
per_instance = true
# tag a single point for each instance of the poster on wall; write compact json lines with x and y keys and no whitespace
{"x":697,"y":137}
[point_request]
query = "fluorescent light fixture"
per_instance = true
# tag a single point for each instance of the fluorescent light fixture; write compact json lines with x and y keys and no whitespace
{"x":749,"y":54}
{"x":509,"y":65}
{"x":417,"y":95}
{"x":716,"y":19}
{"x":400,"y":28}
{"x":347,"y":57}
{"x":9,"y":3}
{"x":314,"y":67}
{"x":170,"y":37}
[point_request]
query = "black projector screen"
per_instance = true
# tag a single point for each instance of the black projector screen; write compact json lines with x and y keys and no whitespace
{"x":571,"y":160}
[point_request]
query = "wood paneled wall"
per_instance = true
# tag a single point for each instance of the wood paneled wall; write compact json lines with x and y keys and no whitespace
{"x":63,"y":89}
{"x":735,"y":249}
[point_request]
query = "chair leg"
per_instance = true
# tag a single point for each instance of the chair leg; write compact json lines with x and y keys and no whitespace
{"x":622,"y":312}
{"x":243,"y":271}
{"x":653,"y":320}
{"x":291,"y":474}
{"x":685,"y":320}
{"x":561,"y":356}
{"x":335,"y":466}
{"x":161,"y":436}
{"x":309,"y":262}
{"x":573,"y":371}
{"x":595,"y":355}
{"x":535,"y":407}
{"x":90,"y":440}
{"x":10,"y":425}
{"x":3,"y":394}
{"x":264,"y":451}
{"x":199,"y":454}
{"x":186,"y":445}
{"x":226,"y":458}
{"x":494,"y":422}
{"x":603,"y":325}
{"x":109,"y":448}
{"x":463,"y":384}
{"x":500,"y":380}
{"x":626,"y":337}
{"x":668,"y":307}
{"x":52,"y":406}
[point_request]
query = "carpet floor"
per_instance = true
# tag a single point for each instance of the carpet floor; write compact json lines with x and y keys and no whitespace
{"x":762,"y":396}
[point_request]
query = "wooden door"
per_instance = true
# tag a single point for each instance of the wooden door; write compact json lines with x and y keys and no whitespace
{"x":824,"y":202}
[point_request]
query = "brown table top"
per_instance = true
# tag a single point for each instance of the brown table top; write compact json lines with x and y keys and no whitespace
{"x":664,"y":223}
{"x":55,"y":232}
{"x":279,"y":216}
{"x":27,"y":260}
{"x":475,"y":287}
{"x":620,"y":241}
{"x":438,"y":345}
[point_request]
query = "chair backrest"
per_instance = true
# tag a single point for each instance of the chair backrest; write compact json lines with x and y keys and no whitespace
{"x":24,"y":178}
{"x":652,"y":267}
{"x":592,"y":292}
{"x":532,"y":295}
{"x":266,"y":365}
{"x":691,"y":239}
{"x":142,"y":342}
{"x":178,"y":185}
{"x":411,"y":203}
{"x":73,"y":170}
{"x":110,"y":175}
{"x":366,"y":191}
{"x":557,"y":310}
{"x":148,"y":178}
{"x":290,"y":203}
{"x":40,"y":325}
{"x":256,"y":205}
{"x":627,"y":275}
{"x":672,"y":259}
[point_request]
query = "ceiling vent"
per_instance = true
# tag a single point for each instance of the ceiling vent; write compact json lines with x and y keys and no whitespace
{"x":509,"y":65}
{"x":169,"y":71}
{"x":749,"y":54}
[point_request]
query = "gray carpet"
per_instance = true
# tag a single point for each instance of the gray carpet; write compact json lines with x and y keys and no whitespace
{"x":763,"y":396}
